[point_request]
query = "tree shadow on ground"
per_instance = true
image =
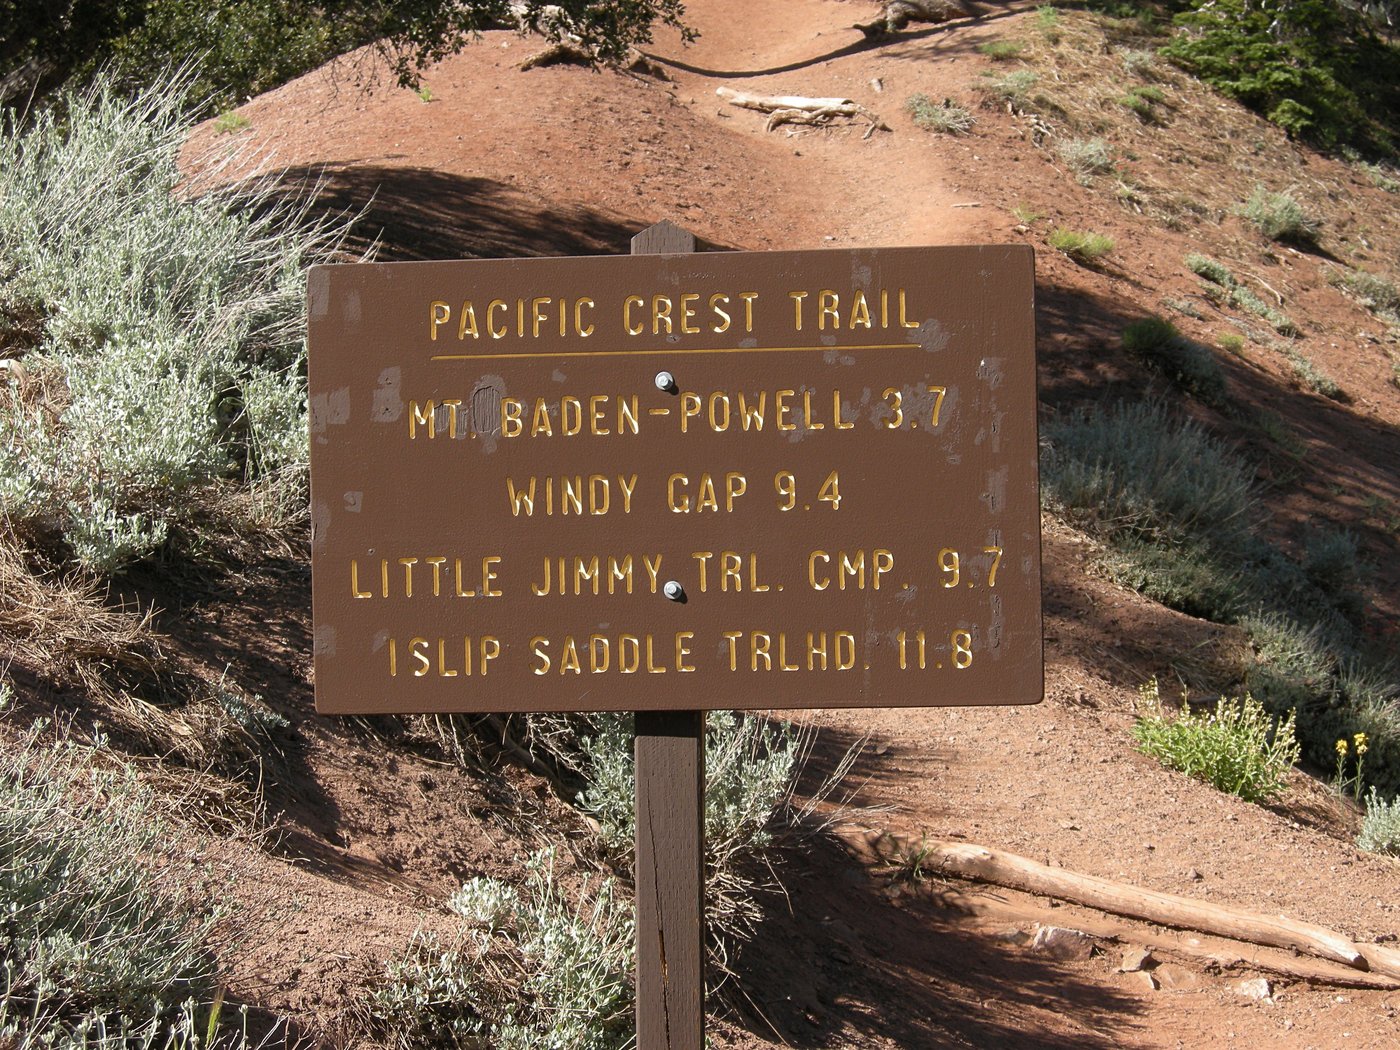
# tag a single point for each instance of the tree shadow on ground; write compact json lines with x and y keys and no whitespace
{"x":413,"y":214}
{"x":849,"y":953}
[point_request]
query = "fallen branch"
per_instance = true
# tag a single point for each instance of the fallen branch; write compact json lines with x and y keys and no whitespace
{"x":801,"y":109}
{"x":1019,"y":873}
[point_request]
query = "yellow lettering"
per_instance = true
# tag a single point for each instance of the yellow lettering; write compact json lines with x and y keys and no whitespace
{"x":422,"y":416}
{"x":537,"y":649}
{"x":438,"y":315}
{"x":627,"y":304}
{"x":584,"y":330}
{"x":715,"y":300}
{"x":660,"y":311}
{"x":511,"y":411}
{"x":467,"y":325}
{"x":538,"y":315}
{"x":860,"y":312}
{"x":688,"y":313}
{"x":783,"y":409}
{"x":797,"y":298}
{"x":355,"y":581}
{"x":496,"y":333}
{"x":595,"y":414}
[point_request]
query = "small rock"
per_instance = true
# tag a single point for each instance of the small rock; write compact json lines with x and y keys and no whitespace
{"x":1194,"y":875}
{"x":1135,"y":959}
{"x":1069,"y":825}
{"x":1063,"y":943}
{"x":1257,"y":988}
{"x":878,"y":84}
{"x":1145,"y":978}
{"x":1176,"y":978}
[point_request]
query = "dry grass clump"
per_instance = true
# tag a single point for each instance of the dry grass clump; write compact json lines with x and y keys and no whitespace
{"x":947,"y":117}
{"x":64,"y":626}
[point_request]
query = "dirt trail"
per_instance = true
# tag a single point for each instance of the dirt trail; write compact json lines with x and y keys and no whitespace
{"x":566,"y":161}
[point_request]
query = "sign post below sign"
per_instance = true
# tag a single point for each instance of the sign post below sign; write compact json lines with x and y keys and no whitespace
{"x":669,"y":751}
{"x":672,"y":482}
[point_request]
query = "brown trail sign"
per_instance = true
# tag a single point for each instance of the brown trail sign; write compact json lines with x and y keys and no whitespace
{"x":670,"y":483}
{"x":832,"y":503}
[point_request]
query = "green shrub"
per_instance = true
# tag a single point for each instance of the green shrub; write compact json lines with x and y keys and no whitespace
{"x":1314,"y":378}
{"x":1231,"y":343}
{"x":538,"y":973}
{"x":1002,"y":50}
{"x":1143,"y":102}
{"x":1382,"y":177}
{"x":947,"y":117}
{"x":1141,"y":63}
{"x":1236,"y":748}
{"x":1087,"y":157}
{"x":1279,"y":217}
{"x":1131,"y":470}
{"x":1187,"y":363}
{"x":105,"y":930}
{"x":1084,"y":248}
{"x":1216,"y":273}
{"x":750,"y":768}
{"x":1317,"y":68}
{"x":1237,"y":294}
{"x":1380,"y":827}
{"x":1375,"y":293}
{"x":229,"y":122}
{"x":1242,"y":296}
{"x":168,"y":335}
{"x":1188,"y":576}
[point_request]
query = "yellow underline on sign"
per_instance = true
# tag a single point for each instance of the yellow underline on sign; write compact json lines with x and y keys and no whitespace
{"x":678,"y":350}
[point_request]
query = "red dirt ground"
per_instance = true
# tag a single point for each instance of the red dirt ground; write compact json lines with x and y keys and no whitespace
{"x":563,"y":160}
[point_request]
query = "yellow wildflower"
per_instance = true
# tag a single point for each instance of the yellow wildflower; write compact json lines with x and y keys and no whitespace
{"x":1342,"y":746}
{"x":1360,"y":739}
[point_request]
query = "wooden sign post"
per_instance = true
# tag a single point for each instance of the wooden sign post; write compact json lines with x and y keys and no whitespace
{"x":670,"y":482}
{"x":670,"y":845}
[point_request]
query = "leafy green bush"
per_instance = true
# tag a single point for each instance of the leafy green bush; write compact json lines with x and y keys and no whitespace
{"x":947,"y":117}
{"x":1184,"y":361}
{"x":1190,"y":577}
{"x":1132,"y":470}
{"x":750,"y":768}
{"x":162,"y":330}
{"x":1084,"y":248}
{"x":1215,"y":272}
{"x":1313,"y":377}
{"x":1316,"y":68}
{"x":1235,"y":748}
{"x":1279,"y":217}
{"x":105,"y":932}
{"x":1380,"y":827}
{"x":1237,"y":294}
{"x":570,"y":970}
{"x":1373,"y":292}
{"x":248,"y":46}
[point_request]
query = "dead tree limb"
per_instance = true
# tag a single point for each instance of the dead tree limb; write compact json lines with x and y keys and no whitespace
{"x":1014,"y":872}
{"x":801,"y":109}
{"x":896,"y":14}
